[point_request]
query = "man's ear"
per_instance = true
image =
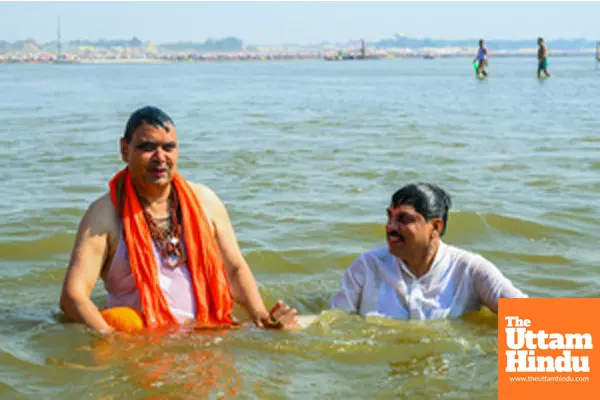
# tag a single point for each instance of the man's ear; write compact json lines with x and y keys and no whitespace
{"x":124,"y":150}
{"x":438,"y":226}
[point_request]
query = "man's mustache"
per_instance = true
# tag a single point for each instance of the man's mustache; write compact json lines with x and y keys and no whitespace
{"x":158,"y":165}
{"x":395,"y":235}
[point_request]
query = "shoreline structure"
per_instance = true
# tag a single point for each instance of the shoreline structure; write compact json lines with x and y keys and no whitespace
{"x":134,"y":56}
{"x":232,"y":49}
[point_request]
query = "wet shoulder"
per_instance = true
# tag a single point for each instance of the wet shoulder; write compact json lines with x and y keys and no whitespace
{"x":376,"y":255}
{"x":204,"y":194}
{"x":464,"y":259}
{"x":101,"y":219}
{"x":208,"y":199}
{"x":201,"y":190}
{"x":102,"y":214}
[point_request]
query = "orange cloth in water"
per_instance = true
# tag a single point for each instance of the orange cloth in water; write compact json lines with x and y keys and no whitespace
{"x":212,"y":293}
{"x":124,"y":319}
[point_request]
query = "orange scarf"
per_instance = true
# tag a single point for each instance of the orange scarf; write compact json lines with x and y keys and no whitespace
{"x":212,"y":293}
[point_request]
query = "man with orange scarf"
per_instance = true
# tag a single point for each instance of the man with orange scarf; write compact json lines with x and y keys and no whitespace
{"x":163,"y":246}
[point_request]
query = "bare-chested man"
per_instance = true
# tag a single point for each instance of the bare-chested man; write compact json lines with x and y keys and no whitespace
{"x":542,"y":58}
{"x":163,"y":246}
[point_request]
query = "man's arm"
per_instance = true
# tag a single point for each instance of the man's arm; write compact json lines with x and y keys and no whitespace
{"x":492,"y":285}
{"x":90,"y":251}
{"x":348,"y":297}
{"x":243,"y":285}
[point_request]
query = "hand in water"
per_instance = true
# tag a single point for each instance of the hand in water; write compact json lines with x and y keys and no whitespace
{"x":280,"y":317}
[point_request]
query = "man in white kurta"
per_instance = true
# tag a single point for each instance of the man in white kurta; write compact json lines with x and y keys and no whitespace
{"x":458,"y":282}
{"x":417,"y":275}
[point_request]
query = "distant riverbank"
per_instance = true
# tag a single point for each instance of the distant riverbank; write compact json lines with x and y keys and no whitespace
{"x":273,"y":56}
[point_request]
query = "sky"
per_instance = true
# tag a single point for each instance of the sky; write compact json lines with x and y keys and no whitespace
{"x":267,"y":23}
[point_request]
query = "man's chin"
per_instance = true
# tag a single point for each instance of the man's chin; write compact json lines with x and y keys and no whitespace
{"x":159,"y":181}
{"x":396,"y":248}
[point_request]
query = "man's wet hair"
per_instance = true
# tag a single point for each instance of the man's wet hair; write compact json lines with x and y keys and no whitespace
{"x":428,"y":199}
{"x":151,"y":115}
{"x":541,"y":39}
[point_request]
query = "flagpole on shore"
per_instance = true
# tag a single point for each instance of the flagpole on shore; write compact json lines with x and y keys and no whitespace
{"x":58,"y":40}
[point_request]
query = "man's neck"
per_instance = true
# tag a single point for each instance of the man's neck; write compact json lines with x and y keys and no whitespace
{"x":154,"y":198}
{"x":422,"y":264}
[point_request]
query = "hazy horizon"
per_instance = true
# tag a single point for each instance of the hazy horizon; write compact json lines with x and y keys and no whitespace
{"x":296,"y":23}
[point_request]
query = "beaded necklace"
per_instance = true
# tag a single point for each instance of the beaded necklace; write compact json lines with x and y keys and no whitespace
{"x":168,"y":240}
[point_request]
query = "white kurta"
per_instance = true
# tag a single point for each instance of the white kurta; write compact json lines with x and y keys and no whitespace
{"x":378,"y":283}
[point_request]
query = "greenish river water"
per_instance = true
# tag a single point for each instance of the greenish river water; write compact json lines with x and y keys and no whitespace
{"x":306,"y":156}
